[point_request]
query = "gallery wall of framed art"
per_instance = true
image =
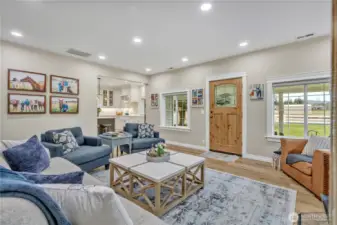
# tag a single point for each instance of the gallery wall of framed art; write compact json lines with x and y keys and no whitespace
{"x":21,"y":81}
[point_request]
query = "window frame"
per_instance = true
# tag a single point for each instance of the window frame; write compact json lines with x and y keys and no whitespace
{"x":270,"y":101}
{"x":163,"y":111}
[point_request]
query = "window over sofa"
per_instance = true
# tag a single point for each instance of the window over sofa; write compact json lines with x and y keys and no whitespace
{"x":299,"y":107}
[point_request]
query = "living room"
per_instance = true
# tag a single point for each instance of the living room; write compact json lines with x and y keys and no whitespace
{"x":247,"y":113}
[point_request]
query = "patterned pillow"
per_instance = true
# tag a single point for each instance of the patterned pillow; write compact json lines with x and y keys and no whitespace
{"x":145,"y":130}
{"x":314,"y":143}
{"x":67,"y":139}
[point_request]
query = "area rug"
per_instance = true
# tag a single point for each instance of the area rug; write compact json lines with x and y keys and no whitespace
{"x":229,"y":199}
{"x":220,"y":156}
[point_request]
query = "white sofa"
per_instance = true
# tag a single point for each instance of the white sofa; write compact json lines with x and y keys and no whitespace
{"x":16,"y":211}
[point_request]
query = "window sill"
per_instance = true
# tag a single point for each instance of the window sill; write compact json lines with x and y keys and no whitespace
{"x":183,"y":129}
{"x":272,"y":138}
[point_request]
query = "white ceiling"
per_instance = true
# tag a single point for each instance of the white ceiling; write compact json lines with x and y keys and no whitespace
{"x":170,"y":29}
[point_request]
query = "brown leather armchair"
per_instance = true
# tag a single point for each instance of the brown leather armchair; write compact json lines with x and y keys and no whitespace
{"x":314,"y":175}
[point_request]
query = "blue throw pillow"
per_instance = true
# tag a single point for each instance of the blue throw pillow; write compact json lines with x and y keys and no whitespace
{"x":28,"y":157}
{"x":67,"y":178}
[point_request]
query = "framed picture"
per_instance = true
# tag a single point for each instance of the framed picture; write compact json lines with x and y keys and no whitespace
{"x":63,"y":105}
{"x":256,"y":92}
{"x":197,"y":97}
{"x":64,"y":85}
{"x":154,"y":101}
{"x":26,"y":104}
{"x":19,"y":80}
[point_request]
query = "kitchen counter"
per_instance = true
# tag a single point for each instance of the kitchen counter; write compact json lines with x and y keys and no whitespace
{"x":115,"y":116}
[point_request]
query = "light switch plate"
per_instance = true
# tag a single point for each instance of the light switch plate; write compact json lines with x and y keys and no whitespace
{"x":202,"y":111}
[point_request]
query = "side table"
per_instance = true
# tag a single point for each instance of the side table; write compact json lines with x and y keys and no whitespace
{"x":117,"y":141}
{"x":277,"y":160}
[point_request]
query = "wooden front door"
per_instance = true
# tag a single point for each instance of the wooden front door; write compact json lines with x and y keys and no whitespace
{"x":226,"y":115}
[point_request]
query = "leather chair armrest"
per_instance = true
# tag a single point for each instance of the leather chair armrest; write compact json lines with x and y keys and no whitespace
{"x":320,"y":171}
{"x":92,"y":141}
{"x":56,"y":150}
{"x":291,"y":146}
{"x":156,"y":134}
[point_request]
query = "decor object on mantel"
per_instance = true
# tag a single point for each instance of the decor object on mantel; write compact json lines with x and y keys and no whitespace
{"x":20,"y":80}
{"x":158,"y":153}
{"x":256,"y":92}
{"x":26,"y":104}
{"x":198,"y":97}
{"x":63,"y":105}
{"x":154,"y":101}
{"x":64,"y":85}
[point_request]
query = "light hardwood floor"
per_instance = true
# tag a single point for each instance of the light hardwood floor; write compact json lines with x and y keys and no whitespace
{"x":262,"y":171}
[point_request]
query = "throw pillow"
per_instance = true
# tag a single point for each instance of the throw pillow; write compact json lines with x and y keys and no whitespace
{"x":13,"y":143}
{"x":145,"y":130}
{"x":314,"y":143}
{"x":67,"y":178}
{"x":68,"y":141}
{"x":28,"y":157}
{"x":87,"y":205}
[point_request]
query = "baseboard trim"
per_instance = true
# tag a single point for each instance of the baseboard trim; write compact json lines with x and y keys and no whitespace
{"x":257,"y":157}
{"x":197,"y":147}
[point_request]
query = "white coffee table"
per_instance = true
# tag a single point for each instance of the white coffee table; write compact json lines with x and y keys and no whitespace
{"x":157,"y":187}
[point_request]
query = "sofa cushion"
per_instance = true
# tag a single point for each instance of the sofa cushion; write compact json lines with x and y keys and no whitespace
{"x":145,"y":130}
{"x":303,"y":167}
{"x":30,"y":156}
{"x":88,"y":153}
{"x":314,"y":143}
{"x":294,"y":158}
{"x":89,"y":204}
{"x":60,"y":165}
{"x":132,"y":128}
{"x":4,"y":144}
{"x":76,"y":131}
{"x":143,"y":143}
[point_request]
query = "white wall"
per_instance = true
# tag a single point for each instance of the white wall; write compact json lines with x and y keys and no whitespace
{"x":300,"y":57}
{"x":30,"y":59}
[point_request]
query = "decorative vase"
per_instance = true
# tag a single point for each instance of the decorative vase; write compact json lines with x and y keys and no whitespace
{"x":164,"y":158}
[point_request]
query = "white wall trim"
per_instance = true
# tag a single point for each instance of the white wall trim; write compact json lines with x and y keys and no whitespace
{"x":270,"y":100}
{"x":258,"y":157}
{"x":242,"y":75}
{"x":300,"y":76}
{"x":197,"y":147}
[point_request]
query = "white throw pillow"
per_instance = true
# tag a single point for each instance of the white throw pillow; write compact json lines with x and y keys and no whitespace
{"x":88,"y":204}
{"x":314,"y":143}
{"x":13,"y":143}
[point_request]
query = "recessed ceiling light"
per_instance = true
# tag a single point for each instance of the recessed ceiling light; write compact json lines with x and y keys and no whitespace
{"x":243,"y":44}
{"x":137,"y":40}
{"x":184,"y":59}
{"x":102,"y":57}
{"x":206,"y":7}
{"x":148,"y":69}
{"x":16,"y":34}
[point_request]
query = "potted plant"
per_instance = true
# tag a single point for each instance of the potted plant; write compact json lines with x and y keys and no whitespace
{"x":98,"y":110}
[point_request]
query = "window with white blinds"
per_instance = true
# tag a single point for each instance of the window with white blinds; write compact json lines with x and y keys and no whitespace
{"x":301,"y":108}
{"x":175,"y":110}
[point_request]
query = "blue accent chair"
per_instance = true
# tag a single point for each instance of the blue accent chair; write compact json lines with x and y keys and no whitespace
{"x":90,"y":155}
{"x":139,"y":144}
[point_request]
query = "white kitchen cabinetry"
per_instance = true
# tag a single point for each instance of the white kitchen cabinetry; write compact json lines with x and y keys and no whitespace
{"x":142,"y":92}
{"x":134,"y":93}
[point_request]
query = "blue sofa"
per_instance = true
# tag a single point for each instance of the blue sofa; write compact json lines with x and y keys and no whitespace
{"x":90,"y":155}
{"x":139,"y":144}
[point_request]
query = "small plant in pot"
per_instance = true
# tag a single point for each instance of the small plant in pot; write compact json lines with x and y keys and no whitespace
{"x":158,"y":154}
